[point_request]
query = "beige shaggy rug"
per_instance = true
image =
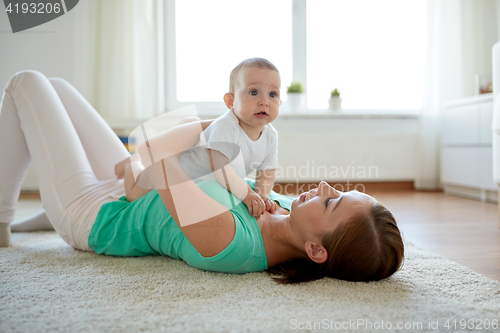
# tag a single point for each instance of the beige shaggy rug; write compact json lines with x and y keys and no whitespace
{"x":47,"y":286}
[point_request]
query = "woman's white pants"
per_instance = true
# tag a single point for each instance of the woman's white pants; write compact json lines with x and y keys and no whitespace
{"x":74,"y":151}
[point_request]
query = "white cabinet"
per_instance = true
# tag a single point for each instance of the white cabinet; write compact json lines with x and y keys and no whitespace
{"x":466,"y":152}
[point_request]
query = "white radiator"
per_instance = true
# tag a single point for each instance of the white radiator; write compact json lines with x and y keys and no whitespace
{"x":341,"y":149}
{"x":332,"y":157}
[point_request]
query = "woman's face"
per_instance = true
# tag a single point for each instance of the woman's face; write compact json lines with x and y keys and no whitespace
{"x":318,"y":212}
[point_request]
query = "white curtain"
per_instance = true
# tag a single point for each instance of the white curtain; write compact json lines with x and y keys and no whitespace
{"x":120,"y":47}
{"x":460,"y":37}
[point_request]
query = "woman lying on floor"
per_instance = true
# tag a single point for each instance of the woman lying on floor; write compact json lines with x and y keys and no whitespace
{"x":324,"y":232}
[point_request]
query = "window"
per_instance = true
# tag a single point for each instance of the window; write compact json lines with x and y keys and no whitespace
{"x":212,"y":37}
{"x":372,"y":51}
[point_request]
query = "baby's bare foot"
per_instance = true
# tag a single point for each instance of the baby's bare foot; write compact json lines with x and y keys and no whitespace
{"x":120,"y":168}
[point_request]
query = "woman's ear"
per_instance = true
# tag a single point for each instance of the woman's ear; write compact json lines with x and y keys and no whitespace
{"x":229,"y":99}
{"x":316,"y":252}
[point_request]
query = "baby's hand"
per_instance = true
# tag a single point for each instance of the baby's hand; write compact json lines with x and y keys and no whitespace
{"x":255,"y":204}
{"x":270,"y":205}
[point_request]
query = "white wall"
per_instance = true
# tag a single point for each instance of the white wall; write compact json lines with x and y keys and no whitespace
{"x":497,"y":15}
{"x":478,"y":40}
{"x":48,"y":48}
{"x":51,"y":48}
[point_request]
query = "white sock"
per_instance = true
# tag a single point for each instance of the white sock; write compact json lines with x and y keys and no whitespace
{"x":33,"y":223}
{"x":4,"y":234}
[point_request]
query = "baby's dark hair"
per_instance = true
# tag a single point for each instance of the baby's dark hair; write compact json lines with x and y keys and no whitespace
{"x":252,"y":62}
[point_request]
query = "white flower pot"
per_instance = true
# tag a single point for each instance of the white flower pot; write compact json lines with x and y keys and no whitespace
{"x":335,"y":103}
{"x":295,"y":102}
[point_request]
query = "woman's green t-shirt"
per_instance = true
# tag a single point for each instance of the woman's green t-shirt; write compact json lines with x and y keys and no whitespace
{"x":144,"y":227}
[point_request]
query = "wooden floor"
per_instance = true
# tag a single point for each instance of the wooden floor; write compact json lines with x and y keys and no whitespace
{"x":463,"y":230}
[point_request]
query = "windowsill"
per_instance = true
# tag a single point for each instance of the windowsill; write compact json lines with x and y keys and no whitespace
{"x":309,"y":114}
{"x":326,"y":113}
{"x":349,"y":113}
{"x":469,"y":100}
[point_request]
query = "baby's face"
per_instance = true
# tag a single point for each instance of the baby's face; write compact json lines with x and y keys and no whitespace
{"x":256,"y":96}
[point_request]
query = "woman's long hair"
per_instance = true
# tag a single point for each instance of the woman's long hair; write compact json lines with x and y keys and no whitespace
{"x":363,"y":248}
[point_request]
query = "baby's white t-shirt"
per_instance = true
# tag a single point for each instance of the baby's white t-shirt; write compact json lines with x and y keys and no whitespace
{"x":226,"y":136}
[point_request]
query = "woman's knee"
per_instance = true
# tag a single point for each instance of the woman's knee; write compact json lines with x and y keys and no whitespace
{"x":36,"y":75}
{"x":24,"y":76}
{"x":58,"y":81}
{"x":28,"y":74}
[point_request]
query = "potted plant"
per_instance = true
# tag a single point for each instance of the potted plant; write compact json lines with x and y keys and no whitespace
{"x":335,"y":100}
{"x":295,"y":97}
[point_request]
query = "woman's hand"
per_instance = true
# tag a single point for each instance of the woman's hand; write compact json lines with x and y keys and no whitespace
{"x":270,"y":205}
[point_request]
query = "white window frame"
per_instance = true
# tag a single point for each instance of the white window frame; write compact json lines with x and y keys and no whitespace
{"x":171,"y":102}
{"x":299,"y":66}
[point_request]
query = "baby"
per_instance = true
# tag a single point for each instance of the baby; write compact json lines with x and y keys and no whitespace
{"x":253,"y":101}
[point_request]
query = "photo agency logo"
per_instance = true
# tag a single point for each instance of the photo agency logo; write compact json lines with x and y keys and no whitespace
{"x":25,"y":14}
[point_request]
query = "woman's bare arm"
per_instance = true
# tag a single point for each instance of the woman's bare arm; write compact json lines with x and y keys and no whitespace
{"x":204,"y":123}
{"x":227,"y":177}
{"x":126,"y":168}
{"x":207,"y":224}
